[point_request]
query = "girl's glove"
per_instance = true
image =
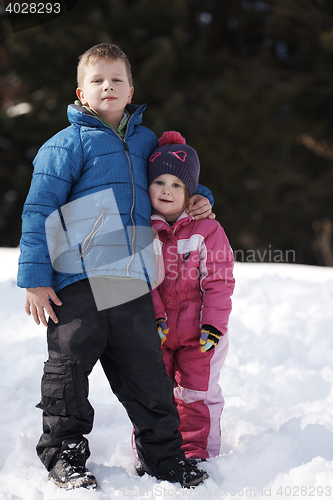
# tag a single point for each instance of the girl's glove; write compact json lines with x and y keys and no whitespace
{"x":210,"y":337}
{"x":162,"y":329}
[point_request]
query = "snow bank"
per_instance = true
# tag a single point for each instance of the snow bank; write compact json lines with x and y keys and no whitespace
{"x":277,"y":381}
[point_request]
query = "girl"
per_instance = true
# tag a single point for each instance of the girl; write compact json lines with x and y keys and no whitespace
{"x":193,"y":302}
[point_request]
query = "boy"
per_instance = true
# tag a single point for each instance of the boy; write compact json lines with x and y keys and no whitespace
{"x":87,"y":200}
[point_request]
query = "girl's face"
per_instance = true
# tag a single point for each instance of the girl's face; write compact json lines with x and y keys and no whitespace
{"x":167,"y":196}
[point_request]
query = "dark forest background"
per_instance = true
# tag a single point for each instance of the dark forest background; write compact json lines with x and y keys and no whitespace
{"x":248,"y":83}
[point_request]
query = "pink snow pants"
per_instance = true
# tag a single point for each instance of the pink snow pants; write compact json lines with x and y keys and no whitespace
{"x":196,"y":375}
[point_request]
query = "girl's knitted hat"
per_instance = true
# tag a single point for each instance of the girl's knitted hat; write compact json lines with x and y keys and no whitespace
{"x":175,"y":157}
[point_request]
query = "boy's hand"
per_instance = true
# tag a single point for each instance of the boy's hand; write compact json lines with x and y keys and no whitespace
{"x":199,"y":207}
{"x":37,"y":299}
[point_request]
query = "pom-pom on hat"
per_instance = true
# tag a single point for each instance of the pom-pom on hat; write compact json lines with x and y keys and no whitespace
{"x":175,"y":157}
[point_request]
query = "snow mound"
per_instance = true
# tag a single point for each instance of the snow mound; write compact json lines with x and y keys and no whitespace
{"x":277,"y":439}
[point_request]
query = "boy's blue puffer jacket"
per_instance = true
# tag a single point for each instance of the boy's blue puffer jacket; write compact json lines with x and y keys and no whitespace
{"x":87,"y":212}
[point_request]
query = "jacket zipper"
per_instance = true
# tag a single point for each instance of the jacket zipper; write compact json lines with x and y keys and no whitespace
{"x":131,"y":212}
{"x":133,"y":191}
{"x":133,"y":198}
{"x":133,"y":188}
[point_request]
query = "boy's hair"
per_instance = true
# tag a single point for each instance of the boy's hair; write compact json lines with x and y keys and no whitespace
{"x":102,"y":51}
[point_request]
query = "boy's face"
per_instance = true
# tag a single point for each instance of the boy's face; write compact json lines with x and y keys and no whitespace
{"x":167,"y":196}
{"x":106,"y":89}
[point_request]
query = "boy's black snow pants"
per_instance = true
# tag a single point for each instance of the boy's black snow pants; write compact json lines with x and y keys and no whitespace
{"x":125,"y":339}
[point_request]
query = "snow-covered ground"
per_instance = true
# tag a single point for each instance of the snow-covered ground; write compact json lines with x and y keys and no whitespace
{"x":277,"y":438}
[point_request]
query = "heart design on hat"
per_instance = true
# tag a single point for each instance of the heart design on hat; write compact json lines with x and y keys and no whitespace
{"x":154,"y":156}
{"x":177,"y":153}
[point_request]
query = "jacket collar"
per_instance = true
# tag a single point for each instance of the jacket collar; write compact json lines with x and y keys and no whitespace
{"x":78,"y":115}
{"x":159,"y":222}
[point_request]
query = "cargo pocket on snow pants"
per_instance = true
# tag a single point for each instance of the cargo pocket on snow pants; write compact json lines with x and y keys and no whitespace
{"x":64,"y":390}
{"x":67,"y":412}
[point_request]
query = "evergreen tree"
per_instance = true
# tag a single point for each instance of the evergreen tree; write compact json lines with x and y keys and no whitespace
{"x":248,"y":83}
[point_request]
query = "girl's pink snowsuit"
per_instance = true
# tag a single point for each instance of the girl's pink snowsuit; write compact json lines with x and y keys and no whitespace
{"x":196,"y":290}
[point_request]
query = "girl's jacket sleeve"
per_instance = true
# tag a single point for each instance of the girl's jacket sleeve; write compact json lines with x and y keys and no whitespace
{"x":56,"y":168}
{"x":158,"y":304}
{"x":216,"y":278}
{"x":159,"y":266}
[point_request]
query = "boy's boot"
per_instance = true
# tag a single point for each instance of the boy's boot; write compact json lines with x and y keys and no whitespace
{"x":175,"y":470}
{"x":69,"y":469}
